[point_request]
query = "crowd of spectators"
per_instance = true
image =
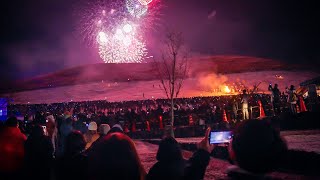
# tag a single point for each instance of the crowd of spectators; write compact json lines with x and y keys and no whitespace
{"x":255,"y":150}
{"x":91,"y":140}
{"x":151,"y":115}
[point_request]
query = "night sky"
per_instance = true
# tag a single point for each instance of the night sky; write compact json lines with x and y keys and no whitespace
{"x":39,"y":36}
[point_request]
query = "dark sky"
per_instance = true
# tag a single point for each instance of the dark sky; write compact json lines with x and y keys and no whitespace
{"x":39,"y":36}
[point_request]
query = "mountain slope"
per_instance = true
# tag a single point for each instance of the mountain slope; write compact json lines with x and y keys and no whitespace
{"x":146,"y":71}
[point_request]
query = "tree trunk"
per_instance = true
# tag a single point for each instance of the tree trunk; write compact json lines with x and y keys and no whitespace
{"x":172,"y":92}
{"x":172,"y":119}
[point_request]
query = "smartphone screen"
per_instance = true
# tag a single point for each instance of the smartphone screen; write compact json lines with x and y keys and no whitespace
{"x":220,"y":137}
{"x":44,"y":130}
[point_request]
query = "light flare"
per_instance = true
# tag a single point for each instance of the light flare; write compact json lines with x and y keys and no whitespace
{"x":226,"y":89}
{"x":127,"y":28}
{"x":102,"y":37}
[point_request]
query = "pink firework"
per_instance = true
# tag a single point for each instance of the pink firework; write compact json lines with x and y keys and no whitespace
{"x":100,"y":21}
{"x":121,"y":45}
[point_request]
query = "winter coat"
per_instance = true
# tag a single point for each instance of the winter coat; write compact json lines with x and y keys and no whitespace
{"x":72,"y":167}
{"x":11,"y":149}
{"x":38,"y":157}
{"x":167,"y":170}
{"x":236,"y":173}
{"x":90,"y":138}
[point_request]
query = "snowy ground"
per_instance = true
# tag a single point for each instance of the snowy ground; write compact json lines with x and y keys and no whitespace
{"x":308,"y":140}
{"x":138,"y":90}
{"x":300,"y":140}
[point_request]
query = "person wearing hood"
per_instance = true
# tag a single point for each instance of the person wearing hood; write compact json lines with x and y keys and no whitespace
{"x":170,"y":163}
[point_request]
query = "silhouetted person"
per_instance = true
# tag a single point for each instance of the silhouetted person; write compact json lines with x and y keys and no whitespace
{"x":245,"y":105}
{"x":115,"y":157}
{"x":292,"y":99}
{"x":65,"y":129}
{"x":92,"y":135}
{"x":11,"y":149}
{"x":256,"y":149}
{"x":38,"y":154}
{"x":275,"y":98}
{"x":171,"y":164}
{"x":74,"y":163}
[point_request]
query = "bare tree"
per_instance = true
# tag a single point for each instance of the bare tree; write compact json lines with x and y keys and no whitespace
{"x":172,"y":68}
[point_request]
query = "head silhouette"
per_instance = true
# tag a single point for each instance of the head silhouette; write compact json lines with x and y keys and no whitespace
{"x":75,"y":143}
{"x":115,"y":157}
{"x":169,"y":150}
{"x":12,"y":122}
{"x":256,"y":146}
{"x":37,"y":131}
{"x":292,"y":87}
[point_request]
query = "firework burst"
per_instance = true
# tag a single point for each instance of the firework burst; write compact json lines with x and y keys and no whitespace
{"x":136,"y":9}
{"x":122,"y":46}
{"x":117,"y":52}
{"x":117,"y":27}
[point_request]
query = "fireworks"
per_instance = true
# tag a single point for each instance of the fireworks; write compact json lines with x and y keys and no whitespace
{"x":117,"y":28}
{"x":135,"y":8}
{"x":102,"y":38}
{"x":115,"y":52}
{"x":122,"y":46}
{"x":145,"y":2}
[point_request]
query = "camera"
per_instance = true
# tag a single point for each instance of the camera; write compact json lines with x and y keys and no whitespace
{"x":218,"y":137}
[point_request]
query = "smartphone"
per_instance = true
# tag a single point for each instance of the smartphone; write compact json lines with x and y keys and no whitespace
{"x":217,"y":137}
{"x":45,"y":130}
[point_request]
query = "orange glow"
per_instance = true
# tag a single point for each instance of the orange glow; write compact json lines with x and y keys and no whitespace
{"x":226,"y":89}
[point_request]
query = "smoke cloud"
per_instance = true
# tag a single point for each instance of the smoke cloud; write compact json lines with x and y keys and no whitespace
{"x":210,"y":82}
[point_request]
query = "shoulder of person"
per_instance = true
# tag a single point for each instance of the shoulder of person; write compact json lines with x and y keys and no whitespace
{"x":235,"y":173}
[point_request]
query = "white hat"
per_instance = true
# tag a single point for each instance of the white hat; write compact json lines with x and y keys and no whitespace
{"x":117,"y":126}
{"x":104,"y":129}
{"x":93,"y":126}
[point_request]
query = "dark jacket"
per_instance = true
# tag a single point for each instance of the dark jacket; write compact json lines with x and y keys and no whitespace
{"x":38,"y":157}
{"x":72,"y":167}
{"x":236,"y":173}
{"x":11,"y":153}
{"x":167,"y":170}
{"x":11,"y":149}
{"x":194,"y":168}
